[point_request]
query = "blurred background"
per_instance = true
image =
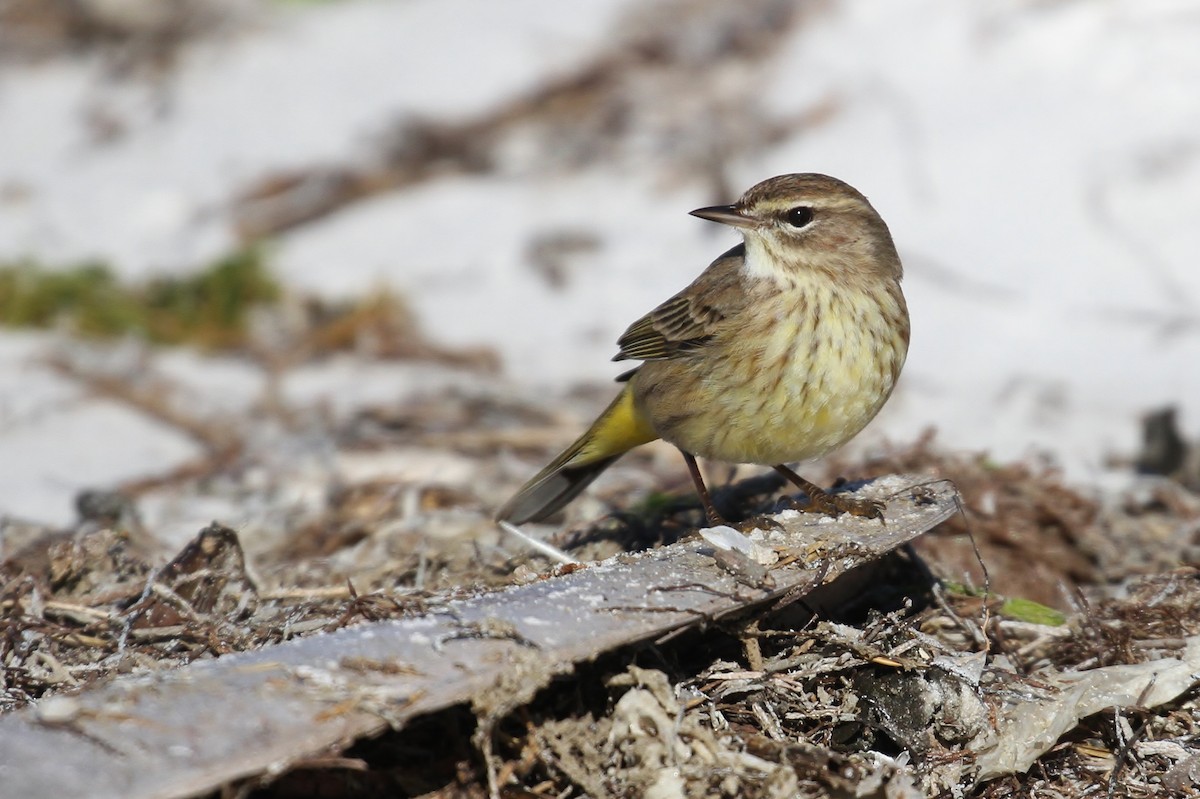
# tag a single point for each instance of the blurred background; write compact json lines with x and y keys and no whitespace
{"x":237,"y":235}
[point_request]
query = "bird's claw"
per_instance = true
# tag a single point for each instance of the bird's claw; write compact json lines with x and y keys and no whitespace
{"x":837,"y":504}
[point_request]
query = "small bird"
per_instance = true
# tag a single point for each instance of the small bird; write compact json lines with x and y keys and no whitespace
{"x":782,"y":350}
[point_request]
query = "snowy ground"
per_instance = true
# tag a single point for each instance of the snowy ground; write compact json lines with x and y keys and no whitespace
{"x":1038,"y":163}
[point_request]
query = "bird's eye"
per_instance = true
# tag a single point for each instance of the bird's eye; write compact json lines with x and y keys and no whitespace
{"x":799,"y":216}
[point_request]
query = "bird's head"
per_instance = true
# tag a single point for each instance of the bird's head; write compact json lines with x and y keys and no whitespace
{"x":811,"y":222}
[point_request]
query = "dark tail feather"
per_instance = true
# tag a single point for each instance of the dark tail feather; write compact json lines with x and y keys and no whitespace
{"x":552,"y":488}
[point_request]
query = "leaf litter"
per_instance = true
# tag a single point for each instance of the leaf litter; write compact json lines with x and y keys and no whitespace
{"x":905,"y":680}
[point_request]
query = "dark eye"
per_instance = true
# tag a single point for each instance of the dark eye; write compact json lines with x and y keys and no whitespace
{"x":799,"y":216}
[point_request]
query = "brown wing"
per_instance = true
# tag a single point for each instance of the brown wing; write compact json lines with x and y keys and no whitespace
{"x":689,"y":320}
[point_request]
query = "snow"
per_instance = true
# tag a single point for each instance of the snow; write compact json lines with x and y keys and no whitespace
{"x":1038,"y":163}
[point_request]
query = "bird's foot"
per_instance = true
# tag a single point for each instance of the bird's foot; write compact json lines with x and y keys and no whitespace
{"x":837,"y":504}
{"x":759,"y":521}
{"x":822,"y":501}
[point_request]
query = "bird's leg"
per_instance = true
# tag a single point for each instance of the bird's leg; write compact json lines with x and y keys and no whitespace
{"x":710,"y":510}
{"x":822,"y":501}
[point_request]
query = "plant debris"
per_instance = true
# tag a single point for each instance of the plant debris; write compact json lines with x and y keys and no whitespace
{"x":234,"y":306}
{"x":176,"y":730}
{"x":900,"y":689}
{"x":892,"y":680}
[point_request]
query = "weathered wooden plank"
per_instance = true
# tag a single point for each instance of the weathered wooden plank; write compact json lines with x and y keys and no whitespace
{"x":187,"y":731}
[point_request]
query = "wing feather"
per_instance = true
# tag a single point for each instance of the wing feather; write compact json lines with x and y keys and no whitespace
{"x":689,"y":320}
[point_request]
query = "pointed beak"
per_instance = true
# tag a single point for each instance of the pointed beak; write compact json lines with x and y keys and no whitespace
{"x":726,"y":215}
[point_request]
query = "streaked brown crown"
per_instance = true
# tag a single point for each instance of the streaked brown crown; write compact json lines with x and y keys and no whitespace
{"x":816,"y":221}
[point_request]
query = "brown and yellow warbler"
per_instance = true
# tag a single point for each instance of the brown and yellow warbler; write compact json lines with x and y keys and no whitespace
{"x":783,"y":349}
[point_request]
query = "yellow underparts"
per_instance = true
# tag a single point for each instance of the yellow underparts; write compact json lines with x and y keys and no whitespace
{"x":803,"y":374}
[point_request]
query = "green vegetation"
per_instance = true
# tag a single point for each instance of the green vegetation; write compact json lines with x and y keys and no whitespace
{"x":1027,"y":610}
{"x":1014,"y":608}
{"x":209,"y":309}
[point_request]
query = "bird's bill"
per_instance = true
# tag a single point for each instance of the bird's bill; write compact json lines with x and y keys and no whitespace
{"x":726,"y":215}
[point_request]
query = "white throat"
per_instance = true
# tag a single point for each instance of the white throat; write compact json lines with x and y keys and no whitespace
{"x":758,"y":263}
